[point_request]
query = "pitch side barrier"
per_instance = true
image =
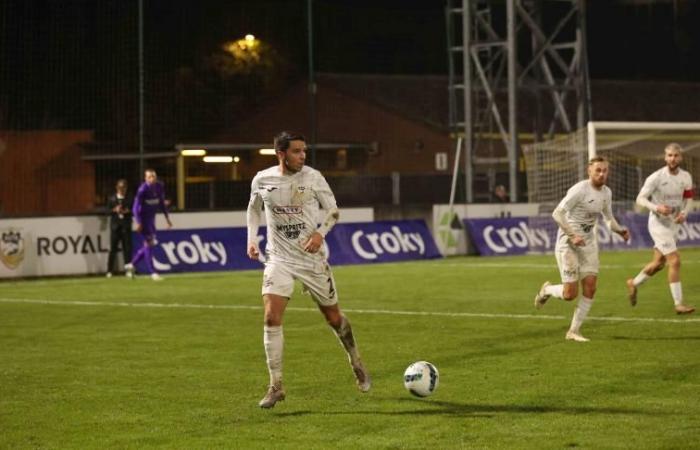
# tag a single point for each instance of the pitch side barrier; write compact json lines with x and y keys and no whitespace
{"x":211,"y":249}
{"x":521,"y":235}
{"x":79,"y":246}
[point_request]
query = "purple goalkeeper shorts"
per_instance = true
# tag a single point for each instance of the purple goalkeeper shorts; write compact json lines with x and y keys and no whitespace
{"x":148,"y":232}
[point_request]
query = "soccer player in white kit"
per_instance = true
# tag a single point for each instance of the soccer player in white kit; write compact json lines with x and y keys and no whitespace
{"x":577,"y":244}
{"x":671,"y":191}
{"x":291,"y":194}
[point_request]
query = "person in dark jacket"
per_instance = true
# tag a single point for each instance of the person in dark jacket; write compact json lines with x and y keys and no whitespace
{"x":119,"y":205}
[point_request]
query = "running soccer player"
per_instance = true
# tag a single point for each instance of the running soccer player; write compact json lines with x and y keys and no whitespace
{"x":291,"y":194}
{"x":671,"y":192}
{"x":577,"y":244}
{"x":149,"y":199}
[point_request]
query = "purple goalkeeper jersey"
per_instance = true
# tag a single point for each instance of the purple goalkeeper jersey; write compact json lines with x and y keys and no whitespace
{"x":149,"y":200}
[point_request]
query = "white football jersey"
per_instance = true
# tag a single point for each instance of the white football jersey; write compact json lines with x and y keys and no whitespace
{"x":583,"y":204}
{"x":292,"y":203}
{"x":664,"y":188}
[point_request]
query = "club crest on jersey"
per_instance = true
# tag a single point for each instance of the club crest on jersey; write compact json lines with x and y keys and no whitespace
{"x":287,"y":209}
{"x":11,"y":248}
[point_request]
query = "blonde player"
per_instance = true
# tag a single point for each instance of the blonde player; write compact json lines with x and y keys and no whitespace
{"x":671,"y":192}
{"x":291,"y":194}
{"x":577,"y":245}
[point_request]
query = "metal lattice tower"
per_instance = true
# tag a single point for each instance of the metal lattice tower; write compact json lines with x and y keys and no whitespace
{"x":513,"y":62}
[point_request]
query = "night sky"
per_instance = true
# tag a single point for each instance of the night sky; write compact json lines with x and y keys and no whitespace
{"x":57,"y":57}
{"x":627,"y":39}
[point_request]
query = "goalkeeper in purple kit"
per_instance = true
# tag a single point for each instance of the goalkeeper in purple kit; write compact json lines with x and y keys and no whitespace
{"x":149,"y":200}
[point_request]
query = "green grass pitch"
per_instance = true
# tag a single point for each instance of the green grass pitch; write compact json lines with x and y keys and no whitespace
{"x":109,"y":363}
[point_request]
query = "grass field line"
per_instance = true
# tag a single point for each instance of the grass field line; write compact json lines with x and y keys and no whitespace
{"x":350,"y":310}
{"x":476,"y":263}
{"x":513,"y":265}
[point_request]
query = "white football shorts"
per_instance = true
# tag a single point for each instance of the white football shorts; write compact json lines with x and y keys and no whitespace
{"x":663,"y":232}
{"x":279,"y":277}
{"x":576,"y":263}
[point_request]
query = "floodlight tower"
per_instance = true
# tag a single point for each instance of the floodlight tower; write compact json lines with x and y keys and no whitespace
{"x":514,"y":62}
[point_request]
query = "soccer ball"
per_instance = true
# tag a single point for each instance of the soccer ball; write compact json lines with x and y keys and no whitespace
{"x":421,"y":378}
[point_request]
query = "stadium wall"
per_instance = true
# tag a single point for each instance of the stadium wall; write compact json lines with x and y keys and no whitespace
{"x":78,"y":245}
{"x":41,"y":172}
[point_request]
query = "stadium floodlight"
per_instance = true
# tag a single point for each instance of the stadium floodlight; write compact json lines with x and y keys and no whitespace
{"x":267,"y":151}
{"x":218,"y":159}
{"x":193,"y":152}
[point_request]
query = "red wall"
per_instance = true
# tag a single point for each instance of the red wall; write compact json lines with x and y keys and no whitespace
{"x":41,"y":172}
{"x":342,"y":119}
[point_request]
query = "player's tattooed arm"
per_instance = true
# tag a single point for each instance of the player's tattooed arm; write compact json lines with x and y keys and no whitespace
{"x":329,"y":221}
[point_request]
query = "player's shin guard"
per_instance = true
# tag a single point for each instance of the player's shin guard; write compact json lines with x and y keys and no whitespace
{"x":273,"y":339}
{"x":640,"y":278}
{"x":346,"y":338}
{"x":139,"y":255}
{"x":584,"y":305}
{"x":555,"y":290}
{"x":676,"y":292}
{"x":148,"y":257}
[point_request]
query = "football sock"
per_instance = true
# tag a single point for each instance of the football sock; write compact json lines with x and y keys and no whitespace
{"x":139,"y":255}
{"x":148,"y":256}
{"x":641,"y":278}
{"x":555,"y":290}
{"x":273,"y":339}
{"x":344,"y":333}
{"x":676,"y":292}
{"x":584,"y":305}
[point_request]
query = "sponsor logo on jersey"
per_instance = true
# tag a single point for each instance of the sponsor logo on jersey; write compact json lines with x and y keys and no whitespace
{"x":587,"y":227}
{"x":287,"y":209}
{"x":11,"y":248}
{"x":291,"y":230}
{"x":301,"y":188}
{"x":152,"y":201}
{"x":269,"y":188}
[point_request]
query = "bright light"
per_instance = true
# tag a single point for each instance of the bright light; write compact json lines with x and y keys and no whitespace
{"x":236,"y":159}
{"x":218,"y":159}
{"x":246,"y":48}
{"x":267,"y":151}
{"x":193,"y":152}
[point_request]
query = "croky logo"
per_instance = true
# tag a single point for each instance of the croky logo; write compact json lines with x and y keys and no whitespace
{"x":11,"y":248}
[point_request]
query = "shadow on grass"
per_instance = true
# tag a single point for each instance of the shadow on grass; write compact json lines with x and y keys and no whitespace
{"x":434,"y":408}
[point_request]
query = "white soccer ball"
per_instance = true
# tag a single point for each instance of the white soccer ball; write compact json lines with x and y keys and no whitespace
{"x":421,"y":378}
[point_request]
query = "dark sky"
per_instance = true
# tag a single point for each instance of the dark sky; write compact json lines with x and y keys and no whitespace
{"x":58,"y":56}
{"x":634,"y":39}
{"x":627,"y":39}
